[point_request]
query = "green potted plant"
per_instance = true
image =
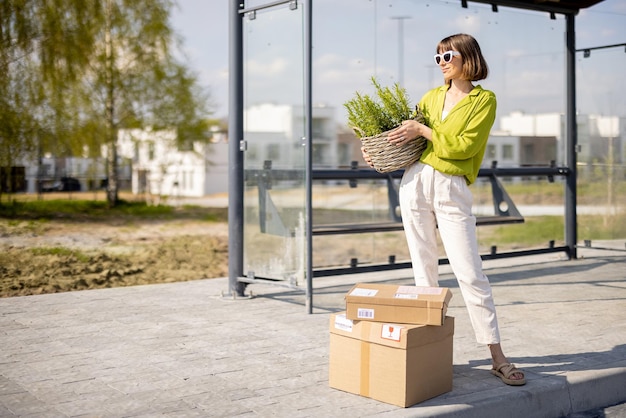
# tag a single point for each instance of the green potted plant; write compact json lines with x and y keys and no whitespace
{"x":371,"y":118}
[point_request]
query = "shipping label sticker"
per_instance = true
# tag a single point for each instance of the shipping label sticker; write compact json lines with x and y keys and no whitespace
{"x":420,"y":290}
{"x":364,"y":292}
{"x":391,"y":332}
{"x":365,"y":313}
{"x":343,"y":323}
{"x":405,"y":296}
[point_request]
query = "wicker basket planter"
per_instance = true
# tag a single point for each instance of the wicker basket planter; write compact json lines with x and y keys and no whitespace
{"x":387,"y":157}
{"x":372,"y":120}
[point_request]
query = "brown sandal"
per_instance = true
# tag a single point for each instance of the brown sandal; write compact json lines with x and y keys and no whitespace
{"x":505,"y":370}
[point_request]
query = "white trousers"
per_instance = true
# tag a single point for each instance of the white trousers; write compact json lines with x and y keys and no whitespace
{"x":429,"y":200}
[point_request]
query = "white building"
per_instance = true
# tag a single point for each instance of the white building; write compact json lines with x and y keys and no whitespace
{"x":503,"y":149}
{"x":161,"y":168}
{"x":601,"y":139}
{"x":540,"y":138}
{"x":275,"y":133}
{"x":272,"y":133}
{"x":598,"y":138}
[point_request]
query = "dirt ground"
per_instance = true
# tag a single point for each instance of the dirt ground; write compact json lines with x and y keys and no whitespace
{"x":61,"y":254}
{"x":64,"y":255}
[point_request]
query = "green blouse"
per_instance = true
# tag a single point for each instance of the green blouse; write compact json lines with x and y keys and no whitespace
{"x":459,"y":141}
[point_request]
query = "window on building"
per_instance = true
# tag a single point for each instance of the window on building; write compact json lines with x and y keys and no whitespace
{"x":185,"y":146}
{"x":490,"y":153}
{"x":317,"y":127}
{"x":551,"y":151}
{"x":150,"y":151}
{"x":319,"y":154}
{"x":252,"y":153}
{"x":507,"y":152}
{"x":273,"y":152}
{"x":529,"y":154}
{"x":344,"y":154}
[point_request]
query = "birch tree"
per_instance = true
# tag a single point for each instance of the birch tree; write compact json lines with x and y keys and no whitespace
{"x":102,"y":66}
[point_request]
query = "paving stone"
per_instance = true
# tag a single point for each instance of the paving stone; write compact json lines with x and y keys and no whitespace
{"x":181,"y":349}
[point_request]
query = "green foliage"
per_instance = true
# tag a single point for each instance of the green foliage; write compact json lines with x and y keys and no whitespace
{"x":370,"y":116}
{"x":75,"y":72}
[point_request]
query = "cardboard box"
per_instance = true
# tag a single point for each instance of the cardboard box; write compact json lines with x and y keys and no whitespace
{"x":394,"y":303}
{"x":399,"y":364}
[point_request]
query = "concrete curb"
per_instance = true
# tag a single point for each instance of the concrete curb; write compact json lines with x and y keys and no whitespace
{"x":538,"y":398}
{"x":548,"y":397}
{"x":591,"y":389}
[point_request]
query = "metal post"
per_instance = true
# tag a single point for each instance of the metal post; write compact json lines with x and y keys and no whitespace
{"x":235,"y":154}
{"x":571,"y":136}
{"x":308,"y":110}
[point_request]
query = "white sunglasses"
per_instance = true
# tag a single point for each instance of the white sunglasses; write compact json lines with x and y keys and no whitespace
{"x":446,"y":56}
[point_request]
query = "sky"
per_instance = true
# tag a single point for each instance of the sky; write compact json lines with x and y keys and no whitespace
{"x":394,"y":40}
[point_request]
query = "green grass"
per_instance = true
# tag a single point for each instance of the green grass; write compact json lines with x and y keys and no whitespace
{"x":539,"y":230}
{"x":535,"y":230}
{"x":60,"y":251}
{"x":596,"y":227}
{"x":78,"y":208}
{"x":543,"y":192}
{"x":536,"y":192}
{"x":90,"y":210}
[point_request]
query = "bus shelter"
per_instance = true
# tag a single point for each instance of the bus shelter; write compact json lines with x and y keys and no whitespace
{"x":301,"y":202}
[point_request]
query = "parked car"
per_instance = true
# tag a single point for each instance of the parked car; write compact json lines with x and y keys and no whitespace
{"x":65,"y":184}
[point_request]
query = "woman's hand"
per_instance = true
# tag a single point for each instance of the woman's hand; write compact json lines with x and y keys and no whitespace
{"x":407,"y":132}
{"x":367,"y":157}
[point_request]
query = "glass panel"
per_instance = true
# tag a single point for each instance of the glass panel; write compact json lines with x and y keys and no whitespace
{"x":541,"y":202}
{"x":274,"y":162}
{"x":395,"y":41}
{"x":365,"y":202}
{"x":602,"y":138}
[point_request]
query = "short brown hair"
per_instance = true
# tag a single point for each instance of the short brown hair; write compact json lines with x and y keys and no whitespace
{"x":474,"y":65}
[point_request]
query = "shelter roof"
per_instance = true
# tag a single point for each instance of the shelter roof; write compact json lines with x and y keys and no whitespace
{"x":555,"y":6}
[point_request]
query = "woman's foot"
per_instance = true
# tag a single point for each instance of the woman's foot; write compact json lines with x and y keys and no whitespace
{"x":509,"y":374}
{"x":506,"y":371}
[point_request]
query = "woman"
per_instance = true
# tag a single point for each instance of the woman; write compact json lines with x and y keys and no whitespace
{"x":434,"y":191}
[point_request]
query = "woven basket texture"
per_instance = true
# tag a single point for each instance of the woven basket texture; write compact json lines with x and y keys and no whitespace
{"x":387,"y":157}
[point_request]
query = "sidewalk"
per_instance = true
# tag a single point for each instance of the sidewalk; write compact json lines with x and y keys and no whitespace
{"x":183,"y":349}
